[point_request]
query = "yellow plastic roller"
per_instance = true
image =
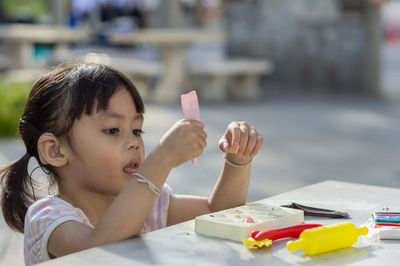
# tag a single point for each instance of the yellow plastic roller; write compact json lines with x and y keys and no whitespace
{"x":327,"y":238}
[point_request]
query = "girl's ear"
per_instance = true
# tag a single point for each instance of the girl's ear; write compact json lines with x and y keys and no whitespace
{"x":50,"y":150}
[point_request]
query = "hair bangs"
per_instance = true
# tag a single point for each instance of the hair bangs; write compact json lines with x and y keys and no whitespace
{"x":93,"y":87}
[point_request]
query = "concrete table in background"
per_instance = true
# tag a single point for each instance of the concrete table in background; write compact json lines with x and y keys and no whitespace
{"x":180,"y":245}
{"x":172,"y":45}
{"x":19,"y":40}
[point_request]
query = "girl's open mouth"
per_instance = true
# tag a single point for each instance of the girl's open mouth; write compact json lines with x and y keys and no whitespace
{"x":132,"y":167}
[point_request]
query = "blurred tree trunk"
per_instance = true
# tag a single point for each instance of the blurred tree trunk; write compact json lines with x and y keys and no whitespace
{"x":60,"y":10}
{"x":199,"y":14}
{"x":2,"y":15}
{"x":169,"y":14}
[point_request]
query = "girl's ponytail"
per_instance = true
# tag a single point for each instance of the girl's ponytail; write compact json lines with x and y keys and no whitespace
{"x":16,"y":194}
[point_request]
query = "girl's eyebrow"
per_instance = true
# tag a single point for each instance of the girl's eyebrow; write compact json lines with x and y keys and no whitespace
{"x":108,"y":114}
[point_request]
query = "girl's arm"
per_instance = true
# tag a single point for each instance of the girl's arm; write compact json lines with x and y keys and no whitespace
{"x":241,"y":142}
{"x":123,"y":219}
{"x":127,"y":213}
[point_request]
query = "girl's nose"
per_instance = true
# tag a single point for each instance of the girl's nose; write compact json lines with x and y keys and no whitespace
{"x":133,"y":143}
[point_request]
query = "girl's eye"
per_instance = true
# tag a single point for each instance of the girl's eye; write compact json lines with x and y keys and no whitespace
{"x":137,"y":132}
{"x":111,"y":131}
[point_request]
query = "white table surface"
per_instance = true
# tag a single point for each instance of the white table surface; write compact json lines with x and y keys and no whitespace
{"x":168,"y":37}
{"x":19,"y":40}
{"x":37,"y":33}
{"x":180,"y":245}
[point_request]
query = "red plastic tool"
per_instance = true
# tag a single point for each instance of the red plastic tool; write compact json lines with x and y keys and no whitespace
{"x":291,"y":231}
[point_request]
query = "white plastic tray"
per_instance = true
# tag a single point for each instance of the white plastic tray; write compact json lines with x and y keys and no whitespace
{"x":238,"y":223}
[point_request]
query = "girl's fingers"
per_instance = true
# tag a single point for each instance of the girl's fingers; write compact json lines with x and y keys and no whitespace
{"x":244,"y":138}
{"x":257,"y":147}
{"x":202,"y":133}
{"x":251,"y":143}
{"x":195,"y":123}
{"x":224,"y":144}
{"x":235,"y":131}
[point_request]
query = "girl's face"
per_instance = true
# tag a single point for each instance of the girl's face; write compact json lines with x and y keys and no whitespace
{"x":107,"y":147}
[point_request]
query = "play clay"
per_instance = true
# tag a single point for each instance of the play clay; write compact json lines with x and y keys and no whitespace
{"x":190,"y":108}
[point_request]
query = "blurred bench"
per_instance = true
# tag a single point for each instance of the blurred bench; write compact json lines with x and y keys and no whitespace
{"x":239,"y":79}
{"x":143,"y":73}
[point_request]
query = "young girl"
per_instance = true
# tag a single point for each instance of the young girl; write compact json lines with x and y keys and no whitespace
{"x":83,"y":124}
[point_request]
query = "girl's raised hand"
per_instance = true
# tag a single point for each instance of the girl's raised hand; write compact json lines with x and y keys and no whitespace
{"x":183,"y":141}
{"x":242,"y":140}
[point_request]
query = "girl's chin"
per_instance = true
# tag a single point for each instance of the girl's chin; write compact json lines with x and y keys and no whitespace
{"x":130,"y":173}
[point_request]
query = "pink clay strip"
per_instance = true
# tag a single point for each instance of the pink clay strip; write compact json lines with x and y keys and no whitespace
{"x":190,"y":108}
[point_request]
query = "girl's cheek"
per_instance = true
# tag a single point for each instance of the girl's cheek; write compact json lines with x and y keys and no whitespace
{"x":142,"y":154}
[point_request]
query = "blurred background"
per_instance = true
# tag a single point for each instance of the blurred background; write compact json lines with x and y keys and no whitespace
{"x":319,"y":79}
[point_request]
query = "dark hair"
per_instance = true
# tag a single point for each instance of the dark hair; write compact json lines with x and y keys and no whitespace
{"x":55,"y":102}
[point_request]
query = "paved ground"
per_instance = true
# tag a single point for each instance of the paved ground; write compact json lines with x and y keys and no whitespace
{"x":307,"y":140}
